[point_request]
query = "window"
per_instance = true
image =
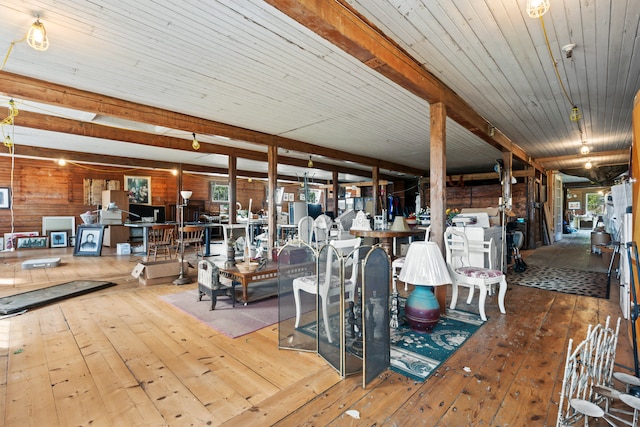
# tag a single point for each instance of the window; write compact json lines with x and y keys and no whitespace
{"x":219,"y":192}
{"x":595,"y":203}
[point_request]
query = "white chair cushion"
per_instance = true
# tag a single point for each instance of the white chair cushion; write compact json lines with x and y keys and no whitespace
{"x":478,"y":272}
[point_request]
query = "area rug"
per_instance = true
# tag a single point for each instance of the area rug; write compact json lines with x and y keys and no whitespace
{"x":416,"y":355}
{"x":565,"y":280}
{"x":231,"y":321}
{"x":23,"y":301}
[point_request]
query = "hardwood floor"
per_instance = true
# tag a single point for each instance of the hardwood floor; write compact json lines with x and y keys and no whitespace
{"x":120,"y":356}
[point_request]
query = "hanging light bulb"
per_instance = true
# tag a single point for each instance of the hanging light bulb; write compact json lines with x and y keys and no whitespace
{"x":37,"y":36}
{"x":537,"y":8}
{"x":310,"y":163}
{"x":8,"y":142}
{"x":195,"y":144}
{"x":62,"y":162}
{"x":575,"y":114}
{"x":584,"y":150}
{"x":588,"y":165}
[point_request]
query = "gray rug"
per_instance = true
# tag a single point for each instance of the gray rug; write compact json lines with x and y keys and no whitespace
{"x":21,"y":302}
{"x":565,"y":280}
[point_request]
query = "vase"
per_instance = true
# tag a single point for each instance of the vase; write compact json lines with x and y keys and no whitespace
{"x":422,"y":310}
{"x":231,"y":256}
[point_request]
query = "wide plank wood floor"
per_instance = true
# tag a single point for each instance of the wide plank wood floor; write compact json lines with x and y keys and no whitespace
{"x":121,"y":356}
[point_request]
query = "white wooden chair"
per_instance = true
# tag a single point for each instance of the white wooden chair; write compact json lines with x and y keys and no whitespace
{"x":321,"y":228}
{"x":305,"y":230}
{"x":327,"y":285}
{"x":396,"y":264}
{"x":472,"y":277}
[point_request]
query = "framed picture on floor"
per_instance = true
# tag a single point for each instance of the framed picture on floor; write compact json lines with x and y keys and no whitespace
{"x":33,"y":242}
{"x":89,"y":240}
{"x":58,"y":239}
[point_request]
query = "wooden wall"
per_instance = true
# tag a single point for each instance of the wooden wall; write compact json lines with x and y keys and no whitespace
{"x":43,"y":188}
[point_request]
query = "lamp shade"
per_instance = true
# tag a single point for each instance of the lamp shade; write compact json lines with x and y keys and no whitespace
{"x":400,"y":224}
{"x":424,"y":265}
{"x":186,"y":194}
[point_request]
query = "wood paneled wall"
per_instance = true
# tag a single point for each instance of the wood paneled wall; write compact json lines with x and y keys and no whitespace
{"x":43,"y":188}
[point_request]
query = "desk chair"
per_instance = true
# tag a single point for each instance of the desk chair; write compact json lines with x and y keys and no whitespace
{"x":161,"y":237}
{"x":190,"y":235}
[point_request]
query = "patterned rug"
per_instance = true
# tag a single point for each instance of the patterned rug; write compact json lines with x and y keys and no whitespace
{"x":416,"y":355}
{"x":565,"y":280}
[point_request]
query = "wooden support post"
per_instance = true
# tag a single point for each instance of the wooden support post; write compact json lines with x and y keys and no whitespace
{"x":335,"y":188}
{"x":375,"y":178}
{"x":272,"y":155}
{"x":437,"y":174}
{"x":233,"y":188}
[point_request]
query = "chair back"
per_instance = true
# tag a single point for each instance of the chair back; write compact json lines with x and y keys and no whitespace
{"x":305,"y":229}
{"x":193,"y":233}
{"x":344,"y":248}
{"x":456,"y":248}
{"x":162,"y":234}
{"x":208,"y":275}
{"x":321,"y":227}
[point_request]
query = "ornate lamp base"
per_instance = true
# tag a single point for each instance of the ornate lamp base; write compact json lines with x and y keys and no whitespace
{"x":422,"y":310}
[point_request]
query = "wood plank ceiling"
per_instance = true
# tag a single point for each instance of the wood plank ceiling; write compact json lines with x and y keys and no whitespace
{"x":251,"y":66}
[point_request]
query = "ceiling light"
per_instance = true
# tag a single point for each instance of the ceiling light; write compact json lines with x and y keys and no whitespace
{"x":37,"y":36}
{"x":310,"y":163}
{"x":584,"y":150}
{"x":575,"y":114}
{"x":195,"y":144}
{"x":537,"y":8}
{"x":8,"y":142}
{"x":62,"y":162}
{"x":174,"y":172}
{"x":588,"y":165}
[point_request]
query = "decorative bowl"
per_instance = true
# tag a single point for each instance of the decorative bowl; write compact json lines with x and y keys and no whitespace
{"x":89,"y":217}
{"x":247,"y":267}
{"x":412,"y":222}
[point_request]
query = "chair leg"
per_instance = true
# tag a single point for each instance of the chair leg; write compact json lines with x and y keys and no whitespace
{"x":501,"y":293}
{"x":481,"y":301}
{"x":471,"y":292}
{"x":454,"y":295}
{"x":296,"y":298}
{"x":325,"y":314}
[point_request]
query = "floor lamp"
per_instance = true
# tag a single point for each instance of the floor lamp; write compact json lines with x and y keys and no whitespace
{"x":183,"y":279}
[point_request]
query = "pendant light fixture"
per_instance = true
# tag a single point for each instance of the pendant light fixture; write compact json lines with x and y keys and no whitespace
{"x":585,"y":149}
{"x":37,"y":36}
{"x":575,"y":115}
{"x":195,"y":144}
{"x":588,"y":165}
{"x":310,"y":163}
{"x":537,"y":8}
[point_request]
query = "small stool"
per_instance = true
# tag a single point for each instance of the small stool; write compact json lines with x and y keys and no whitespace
{"x":209,"y":283}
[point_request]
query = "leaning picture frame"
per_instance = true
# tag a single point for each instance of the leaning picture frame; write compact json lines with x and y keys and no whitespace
{"x":5,"y":198}
{"x":139,"y":189}
{"x":89,"y":240}
{"x":33,"y":242}
{"x":58,"y":239}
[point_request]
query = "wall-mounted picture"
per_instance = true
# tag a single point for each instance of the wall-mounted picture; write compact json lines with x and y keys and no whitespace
{"x":574,"y":205}
{"x":89,"y":240}
{"x":219,"y":192}
{"x":285,"y":197}
{"x":58,"y":239}
{"x":33,"y":242}
{"x":5,"y":198}
{"x":139,"y":189}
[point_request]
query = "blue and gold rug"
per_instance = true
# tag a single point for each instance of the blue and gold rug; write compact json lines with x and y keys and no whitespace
{"x":418,"y":355}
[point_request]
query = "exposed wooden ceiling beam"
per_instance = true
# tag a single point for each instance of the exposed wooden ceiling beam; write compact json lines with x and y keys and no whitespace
{"x":341,"y":25}
{"x":63,"y":125}
{"x":583,"y":158}
{"x":23,"y":87}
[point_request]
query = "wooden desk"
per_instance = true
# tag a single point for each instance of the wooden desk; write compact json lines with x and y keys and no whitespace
{"x":385,"y":237}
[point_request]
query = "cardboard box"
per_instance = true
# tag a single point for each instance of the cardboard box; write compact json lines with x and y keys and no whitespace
{"x":123,"y":249}
{"x":156,"y":272}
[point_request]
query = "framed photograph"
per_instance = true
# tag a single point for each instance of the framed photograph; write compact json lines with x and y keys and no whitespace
{"x":1,"y":243}
{"x":219,"y":192}
{"x":72,"y":241}
{"x":89,"y":240}
{"x":285,"y":197}
{"x":574,"y":205}
{"x":139,"y":189}
{"x":11,"y":239}
{"x":59,"y":239}
{"x":292,"y":197}
{"x":5,"y":198}
{"x":33,"y":242}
